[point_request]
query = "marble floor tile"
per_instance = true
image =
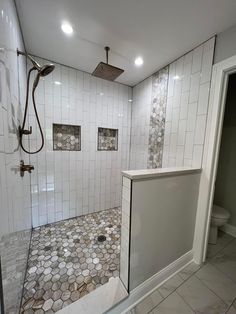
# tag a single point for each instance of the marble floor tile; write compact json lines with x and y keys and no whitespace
{"x":132,"y":311}
{"x":67,"y":261}
{"x":189,"y":270}
{"x":219,"y":283}
{"x":200,"y":298}
{"x":223,"y":240}
{"x":174,"y":304}
{"x":170,"y":285}
{"x":232,"y":309}
{"x":14,"y":249}
{"x":212,"y":250}
{"x":225,"y":260}
{"x":148,"y":303}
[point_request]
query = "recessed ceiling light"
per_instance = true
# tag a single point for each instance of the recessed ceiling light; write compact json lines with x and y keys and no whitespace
{"x":67,"y":28}
{"x":57,"y":83}
{"x":130,"y":100}
{"x":101,"y":94}
{"x":176,"y":77}
{"x":138,"y":61}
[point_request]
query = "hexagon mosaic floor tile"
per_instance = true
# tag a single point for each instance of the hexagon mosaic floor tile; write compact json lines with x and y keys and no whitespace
{"x":67,"y":261}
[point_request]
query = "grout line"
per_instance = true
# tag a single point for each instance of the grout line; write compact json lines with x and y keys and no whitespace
{"x":184,"y":280}
{"x":223,"y":272}
{"x":186,"y":302}
{"x":193,"y":274}
{"x":231,"y":306}
{"x":222,"y":248}
{"x":211,"y":289}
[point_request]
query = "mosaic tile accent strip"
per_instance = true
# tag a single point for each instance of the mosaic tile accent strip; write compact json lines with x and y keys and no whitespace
{"x":157,"y":118}
{"x":107,"y":139}
{"x":66,"y":137}
{"x":14,"y":250}
{"x":66,"y":260}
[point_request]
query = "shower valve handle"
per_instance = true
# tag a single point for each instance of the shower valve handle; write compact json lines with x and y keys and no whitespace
{"x":26,"y":132}
{"x":24,"y":168}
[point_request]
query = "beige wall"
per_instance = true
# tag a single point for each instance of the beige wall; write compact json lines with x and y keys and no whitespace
{"x":162,"y":227}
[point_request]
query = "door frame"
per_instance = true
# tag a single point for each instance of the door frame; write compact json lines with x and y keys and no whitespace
{"x":215,"y":119}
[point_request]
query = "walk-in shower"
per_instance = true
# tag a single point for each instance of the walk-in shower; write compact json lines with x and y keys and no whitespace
{"x":76,"y":217}
{"x":66,"y":240}
{"x":42,"y":71}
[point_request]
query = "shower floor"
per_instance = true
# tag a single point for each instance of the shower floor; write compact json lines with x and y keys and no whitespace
{"x":66,"y":261}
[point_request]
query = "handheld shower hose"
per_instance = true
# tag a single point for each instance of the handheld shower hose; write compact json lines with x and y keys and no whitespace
{"x":42,"y":71}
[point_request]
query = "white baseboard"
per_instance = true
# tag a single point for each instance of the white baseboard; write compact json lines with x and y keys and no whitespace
{"x":151,"y":284}
{"x":230,"y":229}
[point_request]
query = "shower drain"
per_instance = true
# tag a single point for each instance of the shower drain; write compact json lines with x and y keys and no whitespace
{"x":101,"y":238}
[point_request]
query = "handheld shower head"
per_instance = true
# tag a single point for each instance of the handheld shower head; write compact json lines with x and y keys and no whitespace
{"x":42,"y":69}
{"x":41,"y":72}
{"x":46,"y":69}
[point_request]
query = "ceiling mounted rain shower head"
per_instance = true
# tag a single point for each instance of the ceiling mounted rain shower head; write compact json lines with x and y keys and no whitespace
{"x":107,"y":71}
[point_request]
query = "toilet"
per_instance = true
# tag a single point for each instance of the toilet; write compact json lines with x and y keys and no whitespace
{"x":219,"y":217}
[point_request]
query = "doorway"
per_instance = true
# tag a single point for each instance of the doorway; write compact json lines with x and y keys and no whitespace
{"x":223,"y":216}
{"x":218,"y":94}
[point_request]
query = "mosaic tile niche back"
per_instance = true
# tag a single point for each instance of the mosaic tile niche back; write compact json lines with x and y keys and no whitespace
{"x":107,"y":139}
{"x":66,"y":137}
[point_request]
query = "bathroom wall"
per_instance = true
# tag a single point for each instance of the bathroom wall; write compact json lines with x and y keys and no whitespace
{"x":66,"y":184}
{"x":226,"y":174}
{"x":15,"y":204}
{"x":167,"y":222}
{"x":175,"y":111}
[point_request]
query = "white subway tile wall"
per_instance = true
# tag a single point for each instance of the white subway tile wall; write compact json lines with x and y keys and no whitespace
{"x":187,"y":105}
{"x":15,"y":203}
{"x":140,"y":125}
{"x":186,"y":111}
{"x":69,"y":184}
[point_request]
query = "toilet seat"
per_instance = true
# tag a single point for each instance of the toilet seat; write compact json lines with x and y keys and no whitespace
{"x":219,"y":212}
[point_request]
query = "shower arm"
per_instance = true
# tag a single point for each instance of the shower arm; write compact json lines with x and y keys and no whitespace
{"x":35,"y":63}
{"x":107,"y":50}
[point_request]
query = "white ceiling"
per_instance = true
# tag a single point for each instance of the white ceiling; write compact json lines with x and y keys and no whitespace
{"x":158,"y":30}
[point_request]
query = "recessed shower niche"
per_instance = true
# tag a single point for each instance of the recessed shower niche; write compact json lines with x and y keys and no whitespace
{"x":66,"y":137}
{"x":107,"y":139}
